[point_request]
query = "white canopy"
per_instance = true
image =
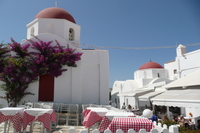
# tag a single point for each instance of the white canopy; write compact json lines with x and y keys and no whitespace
{"x":189,"y":80}
{"x":137,"y":92}
{"x":179,"y":98}
{"x":148,"y":96}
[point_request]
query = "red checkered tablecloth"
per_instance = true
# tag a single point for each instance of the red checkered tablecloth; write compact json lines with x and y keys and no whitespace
{"x":130,"y":123}
{"x":91,"y":118}
{"x":46,"y":119}
{"x":85,"y":112}
{"x":104,"y":124}
{"x":15,"y":119}
{"x":88,"y":109}
{"x":106,"y":121}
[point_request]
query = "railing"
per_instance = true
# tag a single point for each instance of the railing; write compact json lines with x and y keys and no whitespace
{"x":172,"y":129}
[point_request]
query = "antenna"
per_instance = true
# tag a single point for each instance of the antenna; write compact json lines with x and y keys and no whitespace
{"x":176,"y":43}
{"x":56,"y":4}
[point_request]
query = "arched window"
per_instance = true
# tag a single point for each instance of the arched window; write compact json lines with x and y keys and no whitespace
{"x":32,"y":31}
{"x":71,"y":34}
{"x":175,"y":71}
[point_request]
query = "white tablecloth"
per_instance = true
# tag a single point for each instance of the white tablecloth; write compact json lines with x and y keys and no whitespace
{"x":38,"y":111}
{"x":111,"y":115}
{"x":11,"y":110}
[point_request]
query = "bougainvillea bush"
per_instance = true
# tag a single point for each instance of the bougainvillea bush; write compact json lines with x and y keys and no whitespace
{"x":18,"y":71}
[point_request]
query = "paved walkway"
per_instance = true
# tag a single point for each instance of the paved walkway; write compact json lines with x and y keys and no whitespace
{"x":37,"y":129}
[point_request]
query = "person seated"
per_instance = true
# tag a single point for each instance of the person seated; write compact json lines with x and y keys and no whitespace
{"x":165,"y":118}
{"x":123,"y":106}
{"x":129,"y":108}
{"x":175,"y":119}
{"x":160,"y":114}
{"x":181,"y":120}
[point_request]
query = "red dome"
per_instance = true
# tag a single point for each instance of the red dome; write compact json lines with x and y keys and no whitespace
{"x":150,"y":65}
{"x":55,"y":12}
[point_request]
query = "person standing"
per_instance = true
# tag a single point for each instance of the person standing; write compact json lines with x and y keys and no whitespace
{"x":154,"y":117}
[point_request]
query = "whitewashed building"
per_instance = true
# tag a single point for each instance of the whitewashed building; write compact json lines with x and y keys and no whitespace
{"x":184,"y":63}
{"x":184,"y":92}
{"x":148,"y":79}
{"x":85,"y":84}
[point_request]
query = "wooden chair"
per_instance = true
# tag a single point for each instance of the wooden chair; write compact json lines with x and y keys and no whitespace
{"x":56,"y":108}
{"x":63,"y":113}
{"x":73,"y":114}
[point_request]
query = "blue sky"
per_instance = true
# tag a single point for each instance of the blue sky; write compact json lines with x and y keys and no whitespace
{"x":117,"y":23}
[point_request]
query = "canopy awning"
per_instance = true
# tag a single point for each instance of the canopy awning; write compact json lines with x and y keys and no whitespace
{"x":148,"y":96}
{"x":192,"y":79}
{"x":178,"y":98}
{"x":136,"y":92}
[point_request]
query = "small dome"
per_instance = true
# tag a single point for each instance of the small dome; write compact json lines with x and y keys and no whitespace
{"x":150,"y":65}
{"x":55,"y":12}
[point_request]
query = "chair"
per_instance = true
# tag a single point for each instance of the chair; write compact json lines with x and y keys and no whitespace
{"x":63,"y":113}
{"x":56,"y":108}
{"x":47,"y":105}
{"x":29,"y":105}
{"x":37,"y":105}
{"x":84,"y":106}
{"x":73,"y":114}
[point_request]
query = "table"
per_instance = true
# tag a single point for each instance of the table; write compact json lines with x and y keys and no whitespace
{"x":38,"y":114}
{"x":127,"y":123}
{"x":88,"y":109}
{"x":13,"y":114}
{"x":107,"y":119}
{"x":93,"y":115}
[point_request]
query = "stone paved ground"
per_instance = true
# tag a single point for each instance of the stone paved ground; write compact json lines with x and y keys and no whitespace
{"x":37,"y":129}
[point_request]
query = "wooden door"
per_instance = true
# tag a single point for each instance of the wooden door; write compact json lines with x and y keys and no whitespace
{"x":46,"y":88}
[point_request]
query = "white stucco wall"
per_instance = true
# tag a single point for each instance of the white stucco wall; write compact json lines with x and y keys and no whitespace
{"x":188,"y":63}
{"x":84,"y":84}
{"x":87,"y":83}
{"x":184,"y":64}
{"x":145,"y":76}
{"x":95,"y":69}
{"x":117,"y":88}
{"x":171,"y":67}
{"x":59,"y":27}
{"x":131,"y":85}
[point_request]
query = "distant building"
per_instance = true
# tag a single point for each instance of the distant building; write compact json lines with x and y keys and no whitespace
{"x":148,"y":79}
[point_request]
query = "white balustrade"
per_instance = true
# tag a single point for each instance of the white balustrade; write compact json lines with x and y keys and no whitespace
{"x":172,"y":129}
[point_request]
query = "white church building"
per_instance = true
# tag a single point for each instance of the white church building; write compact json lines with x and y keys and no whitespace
{"x":88,"y":83}
{"x":148,"y":79}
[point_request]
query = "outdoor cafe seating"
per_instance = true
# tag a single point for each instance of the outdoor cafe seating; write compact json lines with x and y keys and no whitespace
{"x":113,"y":120}
{"x":22,"y":116}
